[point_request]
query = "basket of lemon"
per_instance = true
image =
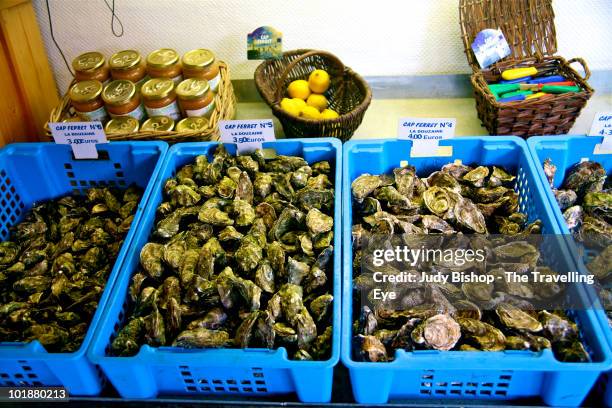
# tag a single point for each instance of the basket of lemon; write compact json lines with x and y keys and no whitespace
{"x":313,"y":94}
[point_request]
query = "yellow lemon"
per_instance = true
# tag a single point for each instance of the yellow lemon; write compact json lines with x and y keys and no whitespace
{"x":318,"y":101}
{"x":298,"y":89}
{"x":318,"y":81}
{"x":329,"y":114}
{"x":289,"y":106}
{"x":300,"y":103}
{"x":310,"y":112}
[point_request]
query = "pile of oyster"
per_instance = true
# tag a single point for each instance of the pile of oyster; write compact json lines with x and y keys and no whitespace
{"x":55,"y":264}
{"x":585,"y":199}
{"x":455,"y":201}
{"x":241,"y":256}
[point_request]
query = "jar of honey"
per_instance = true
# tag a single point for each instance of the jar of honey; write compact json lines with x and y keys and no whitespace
{"x":91,"y":65}
{"x":194,"y":124}
{"x":158,"y":124}
{"x":122,"y":99}
{"x":195,"y":97}
{"x":122,"y":124}
{"x":202,"y":64}
{"x":159,"y":98}
{"x":128,"y":65}
{"x":164,"y":63}
{"x":86,"y":98}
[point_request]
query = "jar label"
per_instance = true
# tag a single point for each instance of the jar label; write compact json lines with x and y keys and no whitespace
{"x":171,"y":110}
{"x":214,"y":83}
{"x":137,"y":113}
{"x":97,"y":115}
{"x":205,"y":111}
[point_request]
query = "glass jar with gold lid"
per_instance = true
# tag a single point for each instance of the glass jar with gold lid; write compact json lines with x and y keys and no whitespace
{"x":122,"y":99}
{"x":195,"y":97}
{"x":164,"y":63}
{"x":127,"y":64}
{"x":91,"y":65}
{"x":195,"y":124}
{"x":158,"y":124}
{"x":159,"y":98}
{"x":122,"y":124}
{"x":86,"y":98}
{"x":202,"y":64}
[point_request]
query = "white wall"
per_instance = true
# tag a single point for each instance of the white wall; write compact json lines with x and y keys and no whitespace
{"x":384,"y":37}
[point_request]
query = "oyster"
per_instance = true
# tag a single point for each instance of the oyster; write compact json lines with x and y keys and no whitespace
{"x":573,"y":216}
{"x":371,"y":349}
{"x":558,"y":328}
{"x":565,"y":198}
{"x":585,"y":177}
{"x":486,"y":336}
{"x":601,"y":265}
{"x":476,"y":177}
{"x":439,"y":332}
{"x":515,"y":318}
{"x":437,"y":201}
{"x":201,"y":337}
{"x":317,"y":222}
{"x":365,"y":185}
{"x":550,"y":170}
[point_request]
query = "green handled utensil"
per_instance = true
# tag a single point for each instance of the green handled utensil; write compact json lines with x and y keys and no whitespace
{"x":557,"y":89}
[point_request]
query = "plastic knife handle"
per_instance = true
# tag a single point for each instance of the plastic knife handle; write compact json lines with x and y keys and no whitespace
{"x":564,"y":83}
{"x":498,"y":89}
{"x":547,"y":79}
{"x":512,"y":98}
{"x":559,"y":89}
{"x":516,"y":81}
{"x":515,"y":73}
{"x":515,"y":93}
{"x":535,"y":95}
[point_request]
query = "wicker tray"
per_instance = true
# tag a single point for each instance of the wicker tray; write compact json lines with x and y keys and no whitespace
{"x":528,"y":26}
{"x":225,"y":109}
{"x":349,"y":94}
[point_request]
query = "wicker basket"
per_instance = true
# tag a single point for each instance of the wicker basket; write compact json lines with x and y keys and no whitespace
{"x":530,"y":31}
{"x":348,"y":94}
{"x":225,"y":109}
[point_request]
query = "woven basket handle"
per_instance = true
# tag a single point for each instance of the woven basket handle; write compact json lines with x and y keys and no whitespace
{"x":585,"y":68}
{"x":292,"y":64}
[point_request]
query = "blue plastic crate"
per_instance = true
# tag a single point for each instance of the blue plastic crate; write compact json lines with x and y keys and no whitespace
{"x":457,"y":374}
{"x":34,"y":172}
{"x":237,"y":372}
{"x":566,"y":151}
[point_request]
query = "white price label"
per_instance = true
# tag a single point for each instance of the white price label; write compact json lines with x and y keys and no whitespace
{"x":426,"y":133}
{"x":248,"y":135}
{"x":81,"y":136}
{"x":602,"y":126}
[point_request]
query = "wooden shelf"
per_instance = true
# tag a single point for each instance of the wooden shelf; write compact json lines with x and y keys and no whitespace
{"x":26,"y":80}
